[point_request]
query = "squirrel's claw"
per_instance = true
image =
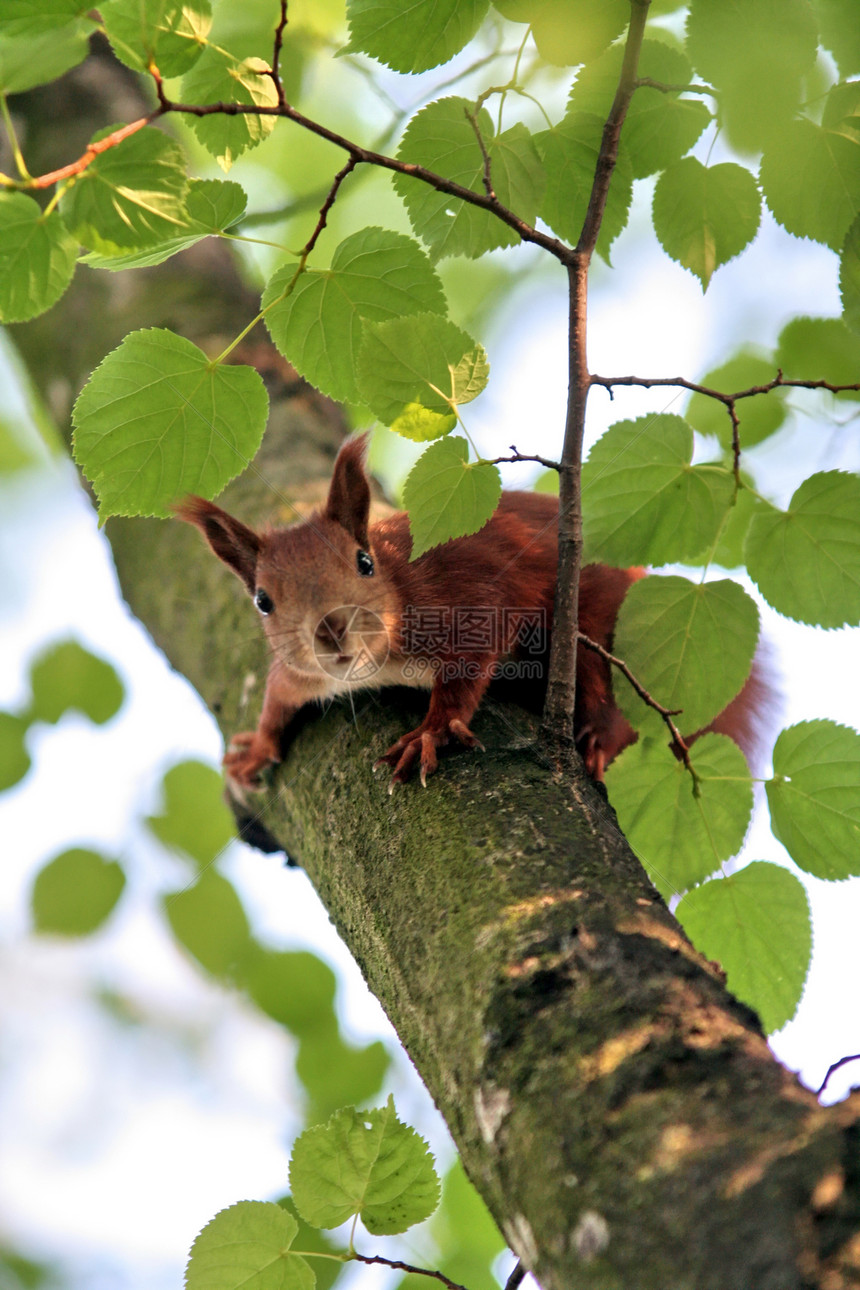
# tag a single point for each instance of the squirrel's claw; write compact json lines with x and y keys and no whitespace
{"x":247,"y":758}
{"x":420,"y":746}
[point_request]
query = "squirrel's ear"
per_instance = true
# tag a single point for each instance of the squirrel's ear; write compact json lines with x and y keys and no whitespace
{"x":234,"y":543}
{"x":349,"y":495}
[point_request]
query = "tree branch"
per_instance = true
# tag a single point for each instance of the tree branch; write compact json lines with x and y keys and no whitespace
{"x":556,"y":726}
{"x":666,"y":713}
{"x":408,"y":1267}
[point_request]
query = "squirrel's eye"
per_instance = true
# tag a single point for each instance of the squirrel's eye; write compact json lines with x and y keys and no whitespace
{"x":364,"y":564}
{"x":263,"y":601}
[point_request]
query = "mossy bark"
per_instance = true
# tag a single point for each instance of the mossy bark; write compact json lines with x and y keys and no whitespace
{"x":619,"y":1111}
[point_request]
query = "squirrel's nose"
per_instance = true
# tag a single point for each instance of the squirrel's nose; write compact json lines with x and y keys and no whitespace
{"x":331,"y":631}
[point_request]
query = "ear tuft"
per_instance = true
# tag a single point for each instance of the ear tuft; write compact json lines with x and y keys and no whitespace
{"x":349,"y":495}
{"x":233,"y":542}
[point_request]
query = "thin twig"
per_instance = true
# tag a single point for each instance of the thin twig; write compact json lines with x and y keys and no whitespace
{"x":729,"y":401}
{"x":93,"y":150}
{"x":275,"y":72}
{"x":649,"y":83}
{"x":778,"y":382}
{"x":472,"y":118}
{"x":555,"y":731}
{"x":558,"y":249}
{"x":831,"y":1070}
{"x":608,"y":154}
{"x":408,"y":1267}
{"x":517,"y":1276}
{"x":326,"y":207}
{"x":522,"y":456}
{"x":666,"y":713}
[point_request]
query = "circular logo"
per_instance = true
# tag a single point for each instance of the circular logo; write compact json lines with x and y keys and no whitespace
{"x":351,"y":643}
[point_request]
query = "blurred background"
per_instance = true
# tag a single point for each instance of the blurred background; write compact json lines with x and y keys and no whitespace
{"x":143,"y":1086}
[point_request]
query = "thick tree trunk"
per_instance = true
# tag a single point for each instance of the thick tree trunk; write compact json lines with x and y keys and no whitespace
{"x":619,"y":1111}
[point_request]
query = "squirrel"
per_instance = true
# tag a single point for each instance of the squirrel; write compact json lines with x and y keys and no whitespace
{"x":344,"y":609}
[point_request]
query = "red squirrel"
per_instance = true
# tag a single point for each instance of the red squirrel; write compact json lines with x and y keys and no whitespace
{"x":344,"y":609}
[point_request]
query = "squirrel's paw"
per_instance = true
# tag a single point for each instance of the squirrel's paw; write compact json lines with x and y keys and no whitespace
{"x":247,"y":756}
{"x":420,"y":746}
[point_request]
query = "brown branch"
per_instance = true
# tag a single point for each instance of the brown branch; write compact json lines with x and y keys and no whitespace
{"x":648,"y":82}
{"x":666,"y":713}
{"x":408,"y":1267}
{"x":556,"y":731}
{"x":93,"y":150}
{"x":517,"y":1276}
{"x":729,"y":401}
{"x":472,"y":118}
{"x":275,"y":73}
{"x":778,"y":382}
{"x":558,"y":249}
{"x":522,"y":456}
{"x":326,"y":207}
{"x":832,"y":1069}
{"x":608,"y":154}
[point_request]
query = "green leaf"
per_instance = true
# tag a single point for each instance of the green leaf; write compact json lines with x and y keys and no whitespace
{"x":756,"y":925}
{"x":806,"y":561}
{"x":130,"y":196}
{"x":690,"y":645}
{"x":842,"y":108}
{"x":547,"y":482}
{"x":218,"y":77}
{"x":14,"y":758}
{"x":208,"y":919}
{"x":567,"y":32}
{"x":823,"y":349}
{"x":463,"y":1229}
{"x":157,"y":419}
{"x":293,"y":987}
{"x":840,"y":33}
{"x":413,"y":37}
{"x":194,"y":819}
{"x":705,"y":215}
{"x":814,"y":797}
{"x":67,"y":676}
{"x":755,"y":53}
{"x":421,"y":359}
{"x":729,"y":550}
{"x":849,"y":278}
{"x":212,"y":205}
{"x":366,"y":1163}
{"x":811,"y":181}
{"x":681,"y":835}
{"x":659,"y":127}
{"x":247,"y":1247}
{"x":441,"y":138}
{"x":75,"y":892}
{"x":312,"y":1241}
{"x":375,"y":275}
{"x":37,"y":258}
{"x":169,"y":33}
{"x":759,"y":415}
{"x":18,"y":449}
{"x":644,"y":503}
{"x":333,"y":1072}
{"x":448,"y":496}
{"x":26,"y":18}
{"x":569,"y":151}
{"x":27,"y":60}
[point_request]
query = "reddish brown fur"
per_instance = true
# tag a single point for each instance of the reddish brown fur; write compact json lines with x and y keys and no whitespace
{"x":323,"y":607}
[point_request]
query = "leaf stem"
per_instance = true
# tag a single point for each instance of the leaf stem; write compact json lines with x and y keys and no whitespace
{"x":13,"y":138}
